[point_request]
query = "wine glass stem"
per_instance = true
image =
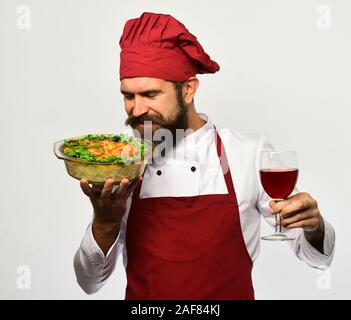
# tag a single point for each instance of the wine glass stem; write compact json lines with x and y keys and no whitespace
{"x":278,"y":228}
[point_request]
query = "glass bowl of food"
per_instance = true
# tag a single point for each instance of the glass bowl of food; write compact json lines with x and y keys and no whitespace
{"x":96,"y":157}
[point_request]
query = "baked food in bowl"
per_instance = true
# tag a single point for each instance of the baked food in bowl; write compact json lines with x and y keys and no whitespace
{"x":96,"y":157}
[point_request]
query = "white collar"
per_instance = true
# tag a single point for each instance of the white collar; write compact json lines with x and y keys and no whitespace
{"x":192,"y":139}
{"x":192,"y":143}
{"x":197,"y":141}
{"x":197,"y":134}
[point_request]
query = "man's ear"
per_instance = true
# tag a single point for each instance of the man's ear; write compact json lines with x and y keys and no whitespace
{"x":189,"y":89}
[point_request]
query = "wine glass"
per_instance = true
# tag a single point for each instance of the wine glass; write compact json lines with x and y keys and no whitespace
{"x":278,"y":173}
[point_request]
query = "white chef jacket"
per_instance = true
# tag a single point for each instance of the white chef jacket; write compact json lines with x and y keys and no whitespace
{"x":198,"y":149}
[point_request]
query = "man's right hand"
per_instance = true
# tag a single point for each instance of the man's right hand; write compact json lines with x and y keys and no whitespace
{"x":109,"y":208}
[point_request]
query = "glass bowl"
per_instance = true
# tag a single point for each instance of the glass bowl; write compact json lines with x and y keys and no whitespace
{"x":97,"y":173}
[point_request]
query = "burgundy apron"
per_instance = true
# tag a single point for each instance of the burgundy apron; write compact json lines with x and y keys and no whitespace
{"x":188,"y":247}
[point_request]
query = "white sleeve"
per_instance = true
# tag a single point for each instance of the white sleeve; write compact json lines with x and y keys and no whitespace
{"x":300,"y":246}
{"x":91,"y":267}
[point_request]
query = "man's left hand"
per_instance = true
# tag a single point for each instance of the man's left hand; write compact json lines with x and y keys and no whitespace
{"x":301,"y":211}
{"x":298,"y":211}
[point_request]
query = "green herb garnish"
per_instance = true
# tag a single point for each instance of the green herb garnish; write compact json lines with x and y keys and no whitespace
{"x":80,"y":151}
{"x":90,"y":137}
{"x":71,"y":143}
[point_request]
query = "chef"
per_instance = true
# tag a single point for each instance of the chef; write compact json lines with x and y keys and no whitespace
{"x":189,"y":228}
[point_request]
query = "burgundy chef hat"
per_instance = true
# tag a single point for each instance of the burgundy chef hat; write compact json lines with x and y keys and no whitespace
{"x":159,"y":46}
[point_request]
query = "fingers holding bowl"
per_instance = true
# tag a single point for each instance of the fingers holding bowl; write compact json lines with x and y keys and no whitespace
{"x":84,"y":185}
{"x":126,"y":187}
{"x":94,"y":190}
{"x":104,"y":191}
{"x":107,"y":188}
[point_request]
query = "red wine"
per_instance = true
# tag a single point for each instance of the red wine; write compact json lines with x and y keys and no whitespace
{"x":279,"y":182}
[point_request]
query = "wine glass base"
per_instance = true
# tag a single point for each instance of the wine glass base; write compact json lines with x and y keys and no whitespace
{"x":277,"y":237}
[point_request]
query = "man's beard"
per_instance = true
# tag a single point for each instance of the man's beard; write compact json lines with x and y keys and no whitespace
{"x":179,"y":123}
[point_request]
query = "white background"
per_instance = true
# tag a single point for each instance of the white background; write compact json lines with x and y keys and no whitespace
{"x":282,"y":74}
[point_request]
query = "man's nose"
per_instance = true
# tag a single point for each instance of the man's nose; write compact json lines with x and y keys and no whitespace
{"x":139,"y":107}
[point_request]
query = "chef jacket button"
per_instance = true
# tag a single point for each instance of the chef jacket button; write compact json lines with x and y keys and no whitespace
{"x":159,"y":172}
{"x":193,"y":169}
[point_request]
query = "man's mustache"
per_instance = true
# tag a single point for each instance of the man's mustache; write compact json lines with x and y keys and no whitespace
{"x":134,"y":121}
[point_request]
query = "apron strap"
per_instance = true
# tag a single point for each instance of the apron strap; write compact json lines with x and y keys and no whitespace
{"x":222,"y":156}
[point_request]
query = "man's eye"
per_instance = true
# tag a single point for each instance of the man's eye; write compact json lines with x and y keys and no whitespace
{"x":127,"y":97}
